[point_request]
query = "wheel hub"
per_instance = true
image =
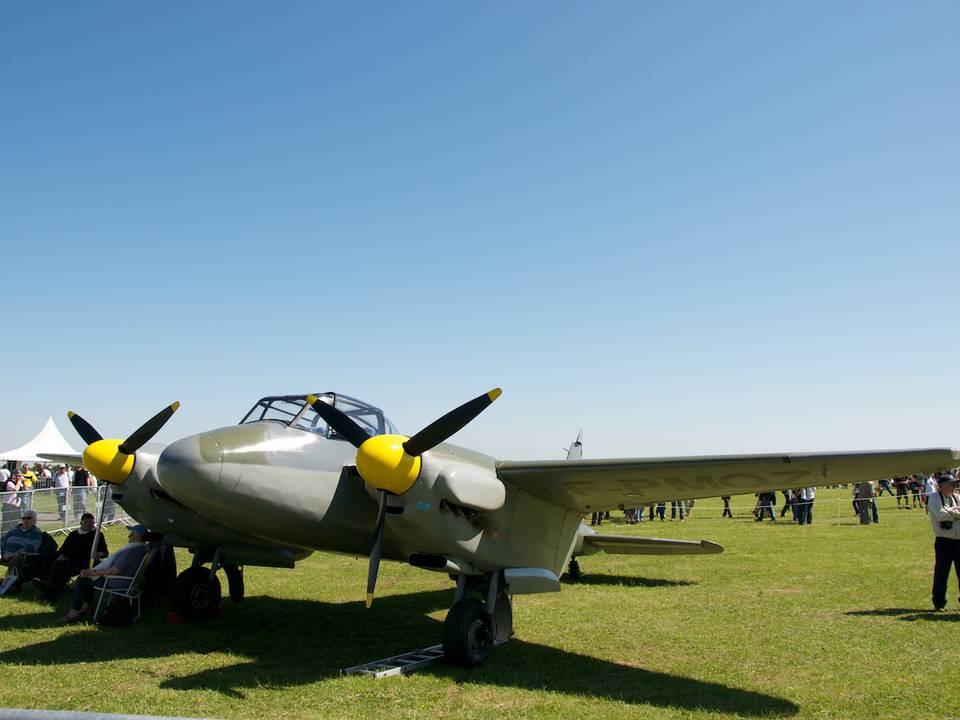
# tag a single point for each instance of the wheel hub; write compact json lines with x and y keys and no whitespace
{"x":200,"y":595}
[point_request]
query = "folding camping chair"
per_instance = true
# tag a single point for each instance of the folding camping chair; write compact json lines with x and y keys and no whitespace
{"x":129,"y":590}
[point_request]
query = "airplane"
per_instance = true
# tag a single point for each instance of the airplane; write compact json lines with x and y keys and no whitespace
{"x":319,"y":472}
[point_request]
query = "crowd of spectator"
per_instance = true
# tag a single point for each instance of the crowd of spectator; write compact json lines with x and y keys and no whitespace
{"x":75,"y":488}
{"x":910,"y":492}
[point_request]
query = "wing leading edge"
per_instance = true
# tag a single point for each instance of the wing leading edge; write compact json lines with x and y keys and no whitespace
{"x":588,"y":485}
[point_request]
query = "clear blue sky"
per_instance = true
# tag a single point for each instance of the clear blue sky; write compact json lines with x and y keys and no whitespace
{"x":684,"y":227}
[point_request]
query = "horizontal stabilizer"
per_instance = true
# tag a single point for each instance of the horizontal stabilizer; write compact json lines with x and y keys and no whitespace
{"x":629,"y":545}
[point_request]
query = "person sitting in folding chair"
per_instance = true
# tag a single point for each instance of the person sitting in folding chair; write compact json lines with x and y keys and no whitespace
{"x":72,"y":557}
{"x":124,"y":562}
{"x":17,"y":546}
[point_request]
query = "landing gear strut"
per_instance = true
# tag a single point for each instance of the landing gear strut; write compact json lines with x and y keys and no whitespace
{"x":474,"y":625}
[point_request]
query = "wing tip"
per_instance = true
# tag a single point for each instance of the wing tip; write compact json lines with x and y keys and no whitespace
{"x":711,"y":547}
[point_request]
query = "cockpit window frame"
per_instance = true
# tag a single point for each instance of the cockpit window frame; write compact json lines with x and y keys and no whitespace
{"x":355,"y":407}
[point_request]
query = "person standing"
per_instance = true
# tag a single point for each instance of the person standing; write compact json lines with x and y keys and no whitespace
{"x":900,"y":483}
{"x":766,"y":502}
{"x":44,"y":476}
{"x":726,"y":507}
{"x":79,"y":491}
{"x":11,"y":502}
{"x":674,"y":506}
{"x":944,"y":506}
{"x":29,"y":479}
{"x":62,"y":482}
{"x":788,"y":504}
{"x":805,"y":517}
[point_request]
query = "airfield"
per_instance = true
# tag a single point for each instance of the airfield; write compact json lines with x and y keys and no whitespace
{"x":825,"y":621}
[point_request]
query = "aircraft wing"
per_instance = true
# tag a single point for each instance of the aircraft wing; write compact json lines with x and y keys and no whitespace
{"x":75,"y":459}
{"x":589,"y":485}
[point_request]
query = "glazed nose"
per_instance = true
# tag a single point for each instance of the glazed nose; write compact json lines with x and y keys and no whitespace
{"x":189,"y":469}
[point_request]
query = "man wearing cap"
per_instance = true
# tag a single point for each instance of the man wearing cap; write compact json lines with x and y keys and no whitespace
{"x":944,"y":507}
{"x":125,"y":561}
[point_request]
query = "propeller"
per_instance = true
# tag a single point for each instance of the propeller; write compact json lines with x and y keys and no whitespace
{"x":112,"y":459}
{"x":391,"y":463}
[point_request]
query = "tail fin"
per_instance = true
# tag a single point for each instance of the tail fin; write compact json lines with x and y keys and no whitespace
{"x":575,"y":451}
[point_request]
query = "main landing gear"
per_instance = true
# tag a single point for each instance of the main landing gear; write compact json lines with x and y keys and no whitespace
{"x":481,"y":617}
{"x":196,"y":592}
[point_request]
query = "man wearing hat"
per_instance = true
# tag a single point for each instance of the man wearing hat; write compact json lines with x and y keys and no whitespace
{"x":125,"y":561}
{"x":944,"y":508}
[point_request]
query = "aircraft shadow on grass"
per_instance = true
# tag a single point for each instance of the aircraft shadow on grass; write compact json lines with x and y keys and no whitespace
{"x":289,"y":642}
{"x":909,"y":614}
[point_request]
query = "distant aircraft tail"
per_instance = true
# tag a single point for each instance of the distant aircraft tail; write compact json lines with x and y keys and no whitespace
{"x":575,"y":451}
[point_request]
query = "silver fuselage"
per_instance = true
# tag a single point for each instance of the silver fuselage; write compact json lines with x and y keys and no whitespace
{"x":268,"y":488}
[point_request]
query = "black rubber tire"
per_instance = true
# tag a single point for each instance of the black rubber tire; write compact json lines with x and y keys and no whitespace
{"x":573,"y":571}
{"x":235,"y":585}
{"x":467,"y":638}
{"x":196,"y":596}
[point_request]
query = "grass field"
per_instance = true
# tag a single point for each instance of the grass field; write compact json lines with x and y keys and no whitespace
{"x":824,"y":621}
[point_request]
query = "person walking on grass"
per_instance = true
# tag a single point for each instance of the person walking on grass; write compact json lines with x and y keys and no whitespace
{"x":944,"y":507}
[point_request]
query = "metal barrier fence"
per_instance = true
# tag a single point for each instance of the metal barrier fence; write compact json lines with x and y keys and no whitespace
{"x":59,"y":509}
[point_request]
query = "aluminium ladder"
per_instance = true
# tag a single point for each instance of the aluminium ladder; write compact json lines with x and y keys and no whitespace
{"x":404,"y":663}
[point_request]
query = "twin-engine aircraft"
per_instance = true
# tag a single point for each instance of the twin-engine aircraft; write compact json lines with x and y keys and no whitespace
{"x":329,"y":472}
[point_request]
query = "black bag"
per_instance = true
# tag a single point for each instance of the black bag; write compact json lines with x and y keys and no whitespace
{"x":117,"y":614}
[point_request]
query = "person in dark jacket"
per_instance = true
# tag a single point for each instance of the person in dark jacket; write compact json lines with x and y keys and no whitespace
{"x":74,"y":556}
{"x":123,"y":562}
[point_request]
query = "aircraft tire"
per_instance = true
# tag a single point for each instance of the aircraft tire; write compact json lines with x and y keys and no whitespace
{"x":196,"y":596}
{"x":467,"y":639}
{"x":235,"y":585}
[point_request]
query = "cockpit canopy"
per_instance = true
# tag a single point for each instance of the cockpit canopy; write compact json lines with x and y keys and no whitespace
{"x":293,"y":411}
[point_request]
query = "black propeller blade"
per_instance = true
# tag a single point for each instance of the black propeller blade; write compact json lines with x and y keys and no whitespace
{"x":389,"y":467}
{"x":339,"y":421}
{"x":151,"y":427}
{"x":84,"y":429}
{"x":377,"y":549}
{"x":439,"y":430}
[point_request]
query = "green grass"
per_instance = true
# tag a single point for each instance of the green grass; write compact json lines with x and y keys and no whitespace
{"x":826,"y":621}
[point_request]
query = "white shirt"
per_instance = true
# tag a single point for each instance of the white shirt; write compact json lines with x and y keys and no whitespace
{"x":4,"y":476}
{"x":808,"y":493}
{"x":947,"y":509}
{"x":63,"y":479}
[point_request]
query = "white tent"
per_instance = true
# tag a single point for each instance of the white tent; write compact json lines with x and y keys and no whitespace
{"x":48,"y":440}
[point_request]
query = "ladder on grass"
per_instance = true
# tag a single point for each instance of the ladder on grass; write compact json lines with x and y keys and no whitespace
{"x":405,"y":663}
